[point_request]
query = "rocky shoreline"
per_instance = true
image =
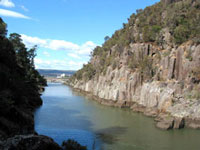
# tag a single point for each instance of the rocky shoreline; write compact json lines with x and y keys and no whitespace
{"x":151,"y":66}
{"x":29,"y":142}
{"x":17,"y":128}
{"x":171,"y":96}
{"x":163,"y":121}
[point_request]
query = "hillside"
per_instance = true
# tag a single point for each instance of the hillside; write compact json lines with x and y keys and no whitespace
{"x":20,"y":86}
{"x":55,"y":73}
{"x":151,"y":65}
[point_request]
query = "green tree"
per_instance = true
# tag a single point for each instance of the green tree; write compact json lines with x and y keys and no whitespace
{"x":181,"y":34}
{"x":3,"y":31}
{"x":32,"y":54}
{"x":106,"y":38}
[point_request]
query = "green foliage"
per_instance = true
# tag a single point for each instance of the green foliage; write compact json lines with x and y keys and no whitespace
{"x":114,"y":64}
{"x":89,"y":71}
{"x":86,"y":73}
{"x":25,"y":59}
{"x":72,"y":145}
{"x":97,"y":51}
{"x":19,"y":84}
{"x":145,"y":67}
{"x":133,"y":62}
{"x":194,"y":94}
{"x":181,"y":19}
{"x":150,"y":33}
{"x":106,"y":38}
{"x":195,"y":73}
{"x":189,"y":55}
{"x":181,"y":34}
{"x":3,"y":27}
{"x":143,"y":64}
{"x":166,"y":53}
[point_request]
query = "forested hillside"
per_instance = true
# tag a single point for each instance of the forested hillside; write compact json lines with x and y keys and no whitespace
{"x":151,"y":65}
{"x":20,"y":84}
{"x":167,"y":23}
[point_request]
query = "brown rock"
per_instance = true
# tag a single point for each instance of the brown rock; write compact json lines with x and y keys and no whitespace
{"x":165,"y":125}
{"x":179,"y":123}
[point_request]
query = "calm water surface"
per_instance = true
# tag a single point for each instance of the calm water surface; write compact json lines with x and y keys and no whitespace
{"x":66,"y":114}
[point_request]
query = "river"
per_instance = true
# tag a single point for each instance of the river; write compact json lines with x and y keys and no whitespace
{"x":67,"y":114}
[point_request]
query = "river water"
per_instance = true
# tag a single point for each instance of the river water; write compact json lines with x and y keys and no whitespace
{"x":69,"y":115}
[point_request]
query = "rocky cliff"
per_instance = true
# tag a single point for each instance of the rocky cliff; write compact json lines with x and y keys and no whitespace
{"x":150,"y":67}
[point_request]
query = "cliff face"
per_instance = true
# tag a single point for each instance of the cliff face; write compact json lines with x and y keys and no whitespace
{"x":173,"y":90}
{"x":159,"y":78}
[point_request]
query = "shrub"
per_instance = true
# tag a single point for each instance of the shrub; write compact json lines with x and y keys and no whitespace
{"x":72,"y":145}
{"x":181,"y":34}
{"x":166,"y":53}
{"x":144,"y":65}
{"x":189,"y":55}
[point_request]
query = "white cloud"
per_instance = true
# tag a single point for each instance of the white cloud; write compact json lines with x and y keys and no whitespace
{"x":24,"y":8}
{"x":9,"y":13}
{"x":73,"y":49}
{"x":74,"y":55}
{"x":61,"y":45}
{"x":31,"y":41}
{"x":7,"y":3}
{"x":46,"y":54}
{"x":58,"y":64}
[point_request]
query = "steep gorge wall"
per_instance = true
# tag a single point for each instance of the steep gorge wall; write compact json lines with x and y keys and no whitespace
{"x":151,"y":65}
{"x":167,"y":92}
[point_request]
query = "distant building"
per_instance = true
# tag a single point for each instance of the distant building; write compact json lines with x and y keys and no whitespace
{"x":61,"y":76}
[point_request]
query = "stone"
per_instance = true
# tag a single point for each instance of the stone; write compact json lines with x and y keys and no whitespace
{"x":179,"y":123}
{"x":166,"y":93}
{"x":165,"y":125}
{"x":29,"y":142}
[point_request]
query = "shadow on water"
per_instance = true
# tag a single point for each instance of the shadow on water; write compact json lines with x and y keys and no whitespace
{"x":67,"y":114}
{"x":62,"y":118}
{"x":110,"y":135}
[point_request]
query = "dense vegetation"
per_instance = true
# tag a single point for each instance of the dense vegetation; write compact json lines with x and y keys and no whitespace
{"x":72,"y":145}
{"x":181,"y":18}
{"x":20,"y":83}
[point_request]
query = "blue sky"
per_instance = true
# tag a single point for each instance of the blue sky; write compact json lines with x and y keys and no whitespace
{"x":66,"y":31}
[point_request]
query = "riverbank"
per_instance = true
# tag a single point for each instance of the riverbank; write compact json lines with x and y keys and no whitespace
{"x":56,"y":80}
{"x":164,"y":120}
{"x":71,"y":114}
{"x":149,"y":67}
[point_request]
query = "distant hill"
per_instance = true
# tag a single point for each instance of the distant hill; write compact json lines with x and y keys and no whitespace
{"x":54,"y":73}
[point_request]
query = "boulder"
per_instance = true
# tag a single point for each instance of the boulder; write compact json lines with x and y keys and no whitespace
{"x":29,"y":142}
{"x":166,"y":125}
{"x":166,"y":121}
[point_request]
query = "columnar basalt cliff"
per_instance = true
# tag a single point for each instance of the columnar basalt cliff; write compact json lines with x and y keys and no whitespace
{"x":151,"y":65}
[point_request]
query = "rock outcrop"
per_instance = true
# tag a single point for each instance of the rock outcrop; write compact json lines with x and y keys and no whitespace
{"x":29,"y":142}
{"x":168,"y":92}
{"x":151,"y":65}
